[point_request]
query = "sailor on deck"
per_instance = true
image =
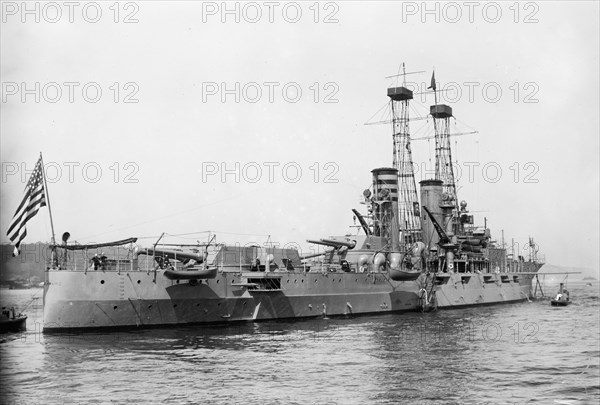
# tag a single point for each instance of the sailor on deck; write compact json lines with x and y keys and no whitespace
{"x":96,"y":261}
{"x":103,"y":260}
{"x":255,"y":264}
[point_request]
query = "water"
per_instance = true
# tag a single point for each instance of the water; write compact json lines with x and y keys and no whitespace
{"x":507,"y":354}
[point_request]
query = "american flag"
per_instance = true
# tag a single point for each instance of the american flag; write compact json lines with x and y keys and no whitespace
{"x":432,"y":82}
{"x":34,"y":198}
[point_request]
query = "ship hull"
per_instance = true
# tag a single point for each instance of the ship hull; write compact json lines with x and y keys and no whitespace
{"x":466,"y":289}
{"x":16,"y":324}
{"x":108,"y":299}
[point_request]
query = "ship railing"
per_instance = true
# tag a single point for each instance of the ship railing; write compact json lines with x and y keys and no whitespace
{"x":512,"y":266}
{"x":83,"y":258}
{"x":519,"y":266}
{"x":116,"y":265}
{"x":117,"y":259}
{"x":114,"y":258}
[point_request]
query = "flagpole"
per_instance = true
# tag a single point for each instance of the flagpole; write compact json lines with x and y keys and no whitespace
{"x":48,"y":199}
{"x":434,"y":86}
{"x":53,"y":249}
{"x":53,"y":258}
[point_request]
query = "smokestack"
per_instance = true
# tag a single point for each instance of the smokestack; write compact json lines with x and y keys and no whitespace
{"x":431,"y":197}
{"x":385,"y":210}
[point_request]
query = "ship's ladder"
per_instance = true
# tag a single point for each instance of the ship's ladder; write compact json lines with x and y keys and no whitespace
{"x":427,"y":297}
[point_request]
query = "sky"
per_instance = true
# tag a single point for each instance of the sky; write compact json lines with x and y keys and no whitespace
{"x":247,"y":119}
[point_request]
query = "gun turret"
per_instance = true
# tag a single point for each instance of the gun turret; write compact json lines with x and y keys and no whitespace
{"x":336,"y":244}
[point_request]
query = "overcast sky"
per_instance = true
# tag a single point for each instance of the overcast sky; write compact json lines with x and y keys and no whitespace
{"x":139,"y":108}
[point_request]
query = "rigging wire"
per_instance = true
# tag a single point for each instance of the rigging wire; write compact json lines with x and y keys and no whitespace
{"x":235,"y":196}
{"x":382,"y":118}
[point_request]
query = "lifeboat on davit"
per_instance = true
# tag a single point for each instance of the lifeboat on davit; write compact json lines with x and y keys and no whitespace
{"x":404,"y":275}
{"x":201,"y":274}
{"x":190,"y":271}
{"x":397,"y":272}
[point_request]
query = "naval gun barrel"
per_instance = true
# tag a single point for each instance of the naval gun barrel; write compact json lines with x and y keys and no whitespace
{"x":334,"y":243}
{"x":171,"y":254}
{"x":305,"y":257}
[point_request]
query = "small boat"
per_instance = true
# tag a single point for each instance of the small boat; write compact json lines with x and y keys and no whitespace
{"x":11,"y":322}
{"x":400,"y":275}
{"x":191,"y":274}
{"x":562,"y":298}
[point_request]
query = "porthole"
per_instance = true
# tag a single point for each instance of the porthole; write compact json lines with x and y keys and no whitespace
{"x":115,"y":308}
{"x":101,"y":281}
{"x":139,"y":281}
{"x":150,"y":306}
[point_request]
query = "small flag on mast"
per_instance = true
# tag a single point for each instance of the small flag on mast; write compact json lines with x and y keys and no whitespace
{"x":34,"y":198}
{"x":432,"y":82}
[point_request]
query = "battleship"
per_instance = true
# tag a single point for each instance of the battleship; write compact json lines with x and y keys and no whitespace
{"x":410,"y":252}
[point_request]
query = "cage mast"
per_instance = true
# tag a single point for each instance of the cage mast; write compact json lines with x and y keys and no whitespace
{"x":408,"y":202}
{"x":444,"y":171}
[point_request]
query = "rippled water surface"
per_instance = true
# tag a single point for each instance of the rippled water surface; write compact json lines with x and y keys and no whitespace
{"x":507,"y":354}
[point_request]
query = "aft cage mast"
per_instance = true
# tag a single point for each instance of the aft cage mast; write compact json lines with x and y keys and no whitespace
{"x":444,"y":171}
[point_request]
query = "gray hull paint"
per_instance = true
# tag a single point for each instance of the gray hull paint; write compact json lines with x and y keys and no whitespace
{"x":483,"y":289}
{"x":98,"y":299}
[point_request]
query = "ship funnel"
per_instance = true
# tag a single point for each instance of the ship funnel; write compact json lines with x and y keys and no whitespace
{"x":385,"y":205}
{"x":431,"y":198}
